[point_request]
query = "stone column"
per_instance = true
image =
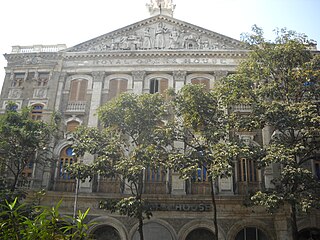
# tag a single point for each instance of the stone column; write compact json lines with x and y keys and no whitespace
{"x":178,"y":186}
{"x":95,"y":98}
{"x":138,"y":78}
{"x":179,"y":79}
{"x":269,"y":170}
{"x":62,"y":79}
{"x":93,"y":121}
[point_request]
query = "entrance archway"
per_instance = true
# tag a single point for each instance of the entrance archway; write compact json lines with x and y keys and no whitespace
{"x":251,"y":233}
{"x":156,"y":230}
{"x":309,"y":234}
{"x":106,"y":233}
{"x":200,"y":233}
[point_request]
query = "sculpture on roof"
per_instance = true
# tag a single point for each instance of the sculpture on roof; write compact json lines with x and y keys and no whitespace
{"x":161,"y":7}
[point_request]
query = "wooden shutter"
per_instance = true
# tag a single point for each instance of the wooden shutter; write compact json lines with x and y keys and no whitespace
{"x":116,"y":87}
{"x":82,"y":90}
{"x":123,"y":85}
{"x":72,"y":126}
{"x":204,"y":81}
{"x":78,"y":90}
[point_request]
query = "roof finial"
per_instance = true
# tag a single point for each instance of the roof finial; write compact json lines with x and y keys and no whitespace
{"x":164,"y":7}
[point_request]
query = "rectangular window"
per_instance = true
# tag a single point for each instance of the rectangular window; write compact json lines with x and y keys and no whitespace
{"x":247,"y":170}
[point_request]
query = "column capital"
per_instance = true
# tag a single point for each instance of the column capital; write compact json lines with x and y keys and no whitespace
{"x":220,"y":74}
{"x":98,"y":76}
{"x":179,"y":75}
{"x":138,"y":75}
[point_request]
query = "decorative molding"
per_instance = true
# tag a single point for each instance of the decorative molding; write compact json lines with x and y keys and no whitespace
{"x":138,"y":75}
{"x":159,"y":32}
{"x":179,"y":75}
{"x":98,"y":76}
{"x":14,"y":93}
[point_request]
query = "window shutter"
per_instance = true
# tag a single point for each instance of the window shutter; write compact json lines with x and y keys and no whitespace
{"x":82,"y":90}
{"x":123,"y":86}
{"x":72,"y":126}
{"x":73,"y":90}
{"x":163,"y":85}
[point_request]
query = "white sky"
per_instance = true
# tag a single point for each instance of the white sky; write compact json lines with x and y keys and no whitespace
{"x":29,"y":22}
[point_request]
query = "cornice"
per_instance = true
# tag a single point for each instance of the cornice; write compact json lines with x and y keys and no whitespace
{"x":155,"y":54}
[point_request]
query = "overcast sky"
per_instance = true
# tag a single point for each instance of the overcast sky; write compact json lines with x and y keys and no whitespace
{"x":29,"y":22}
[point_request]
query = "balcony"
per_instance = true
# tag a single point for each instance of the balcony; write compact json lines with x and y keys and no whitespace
{"x":76,"y":106}
{"x":242,"y":108}
{"x":62,"y":185}
{"x":38,"y":48}
{"x":155,"y":187}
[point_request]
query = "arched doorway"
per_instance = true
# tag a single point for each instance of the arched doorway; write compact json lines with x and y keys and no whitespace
{"x":106,"y":233}
{"x":251,"y":233}
{"x":309,"y":234}
{"x":155,"y":231}
{"x":200,"y":233}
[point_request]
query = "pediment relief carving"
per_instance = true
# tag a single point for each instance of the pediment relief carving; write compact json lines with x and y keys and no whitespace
{"x":158,"y":33}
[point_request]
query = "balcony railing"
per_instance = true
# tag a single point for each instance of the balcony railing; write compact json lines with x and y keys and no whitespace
{"x":155,"y":188}
{"x":109,"y":186}
{"x":38,"y":48}
{"x":200,"y":188}
{"x":76,"y":106}
{"x":242,"y":108}
{"x":65,"y":185}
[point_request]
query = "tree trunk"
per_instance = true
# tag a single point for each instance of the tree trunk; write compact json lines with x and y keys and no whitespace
{"x":140,"y":228}
{"x":139,"y":196}
{"x":295,"y":233}
{"x":15,"y":182}
{"x":214,"y":205}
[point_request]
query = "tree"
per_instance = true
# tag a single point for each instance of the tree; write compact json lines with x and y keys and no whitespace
{"x":23,"y":142}
{"x":131,"y":139}
{"x":200,"y":125}
{"x":279,"y":80}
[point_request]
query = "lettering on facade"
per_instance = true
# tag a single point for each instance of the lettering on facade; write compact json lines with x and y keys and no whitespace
{"x":201,"y":207}
{"x":180,"y":207}
{"x":162,"y":61}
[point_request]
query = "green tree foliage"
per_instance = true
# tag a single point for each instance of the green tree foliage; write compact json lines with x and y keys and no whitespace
{"x":280,"y":81}
{"x":28,"y":222}
{"x":23,"y":142}
{"x":201,"y":135}
{"x":132,"y":138}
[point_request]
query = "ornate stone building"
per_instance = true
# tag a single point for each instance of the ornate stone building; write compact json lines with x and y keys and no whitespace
{"x":145,"y":57}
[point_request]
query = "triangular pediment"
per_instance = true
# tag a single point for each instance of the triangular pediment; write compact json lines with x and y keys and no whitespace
{"x":159,"y":33}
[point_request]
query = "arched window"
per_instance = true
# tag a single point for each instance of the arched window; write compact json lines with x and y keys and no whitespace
{"x":200,"y":181}
{"x":66,"y":159}
{"x":200,"y":233}
{"x":78,"y":90}
{"x":36,"y":112}
{"x":72,"y":126}
{"x":117,"y":86}
{"x":64,"y":182}
{"x":106,"y":232}
{"x":251,"y":233}
{"x":203,"y":81}
{"x":155,"y":180}
{"x":158,"y":85}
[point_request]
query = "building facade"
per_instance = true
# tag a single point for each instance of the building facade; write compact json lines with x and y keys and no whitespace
{"x":149,"y":56}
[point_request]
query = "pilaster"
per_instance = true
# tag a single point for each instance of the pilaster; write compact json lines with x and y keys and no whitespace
{"x":138,"y":78}
{"x":179,"y":78}
{"x":95,"y":98}
{"x":61,"y":80}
